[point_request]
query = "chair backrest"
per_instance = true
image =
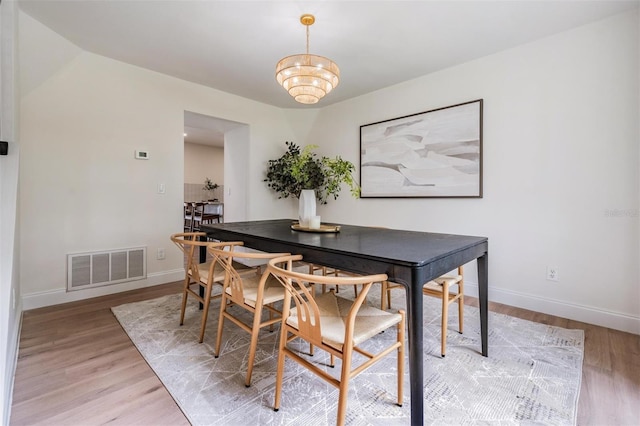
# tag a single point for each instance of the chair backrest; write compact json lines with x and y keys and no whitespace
{"x":187,"y":210}
{"x":308,"y":313}
{"x":197,"y":211}
{"x":189,"y":244}
{"x":188,"y":241}
{"x":233,"y":281}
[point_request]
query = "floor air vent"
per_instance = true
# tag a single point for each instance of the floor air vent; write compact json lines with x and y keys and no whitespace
{"x":95,"y":269}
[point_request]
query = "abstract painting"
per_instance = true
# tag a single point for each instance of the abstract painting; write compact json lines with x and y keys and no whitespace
{"x":436,"y":153}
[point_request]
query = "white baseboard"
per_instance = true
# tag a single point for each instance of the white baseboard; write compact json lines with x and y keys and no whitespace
{"x":587,"y":314}
{"x":61,"y":295}
{"x":582,"y":313}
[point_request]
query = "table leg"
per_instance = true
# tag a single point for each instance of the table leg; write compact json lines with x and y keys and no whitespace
{"x":416,"y":357}
{"x":483,"y":295}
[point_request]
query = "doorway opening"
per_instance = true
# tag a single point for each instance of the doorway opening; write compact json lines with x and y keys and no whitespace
{"x":216,"y":149}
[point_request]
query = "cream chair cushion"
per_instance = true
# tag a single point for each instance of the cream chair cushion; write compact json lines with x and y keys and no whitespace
{"x":333,"y":312}
{"x":439,"y":282}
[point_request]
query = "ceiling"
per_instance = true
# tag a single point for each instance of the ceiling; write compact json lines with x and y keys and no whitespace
{"x":205,"y":130}
{"x":234,"y":45}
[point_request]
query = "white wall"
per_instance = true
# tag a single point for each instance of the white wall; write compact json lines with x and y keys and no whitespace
{"x":561,"y":189}
{"x":236,"y":153}
{"x":42,"y":64}
{"x":10,"y":305}
{"x":201,"y":162}
{"x":561,"y":164}
{"x":81,"y":188}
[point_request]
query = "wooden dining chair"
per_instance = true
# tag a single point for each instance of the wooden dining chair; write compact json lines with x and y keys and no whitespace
{"x":248,"y":291}
{"x":442,"y":288}
{"x":199,"y":276}
{"x":197,"y":216}
{"x":187,"y":209}
{"x":334,"y":324}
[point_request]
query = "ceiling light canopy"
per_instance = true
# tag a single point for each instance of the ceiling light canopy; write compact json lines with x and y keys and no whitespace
{"x":307,"y":77}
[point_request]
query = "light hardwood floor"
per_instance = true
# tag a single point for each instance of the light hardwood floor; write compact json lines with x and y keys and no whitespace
{"x":76,"y":366}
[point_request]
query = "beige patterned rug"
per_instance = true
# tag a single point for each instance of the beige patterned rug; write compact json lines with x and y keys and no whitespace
{"x":532,"y":375}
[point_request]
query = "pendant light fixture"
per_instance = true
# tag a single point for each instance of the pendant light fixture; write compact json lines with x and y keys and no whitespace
{"x":307,"y":77}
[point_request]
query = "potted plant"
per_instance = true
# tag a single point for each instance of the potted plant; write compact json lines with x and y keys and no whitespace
{"x":209,"y":185}
{"x":302,"y":174}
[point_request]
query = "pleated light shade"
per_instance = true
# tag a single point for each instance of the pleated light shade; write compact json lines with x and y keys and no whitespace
{"x":308,"y":78}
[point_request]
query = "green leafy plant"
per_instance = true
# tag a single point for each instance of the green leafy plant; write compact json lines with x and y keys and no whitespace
{"x":209,"y":185}
{"x":300,"y":169}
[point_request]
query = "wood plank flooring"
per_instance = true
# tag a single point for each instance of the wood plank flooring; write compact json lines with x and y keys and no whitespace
{"x":76,"y":366}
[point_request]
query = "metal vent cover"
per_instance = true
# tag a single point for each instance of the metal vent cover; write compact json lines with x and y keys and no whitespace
{"x":94,"y":269}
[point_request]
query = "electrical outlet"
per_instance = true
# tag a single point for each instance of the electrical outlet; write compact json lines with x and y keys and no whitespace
{"x":552,"y":273}
{"x":160,"y":254}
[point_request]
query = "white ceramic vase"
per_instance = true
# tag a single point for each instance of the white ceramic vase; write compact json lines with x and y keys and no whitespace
{"x":306,"y":206}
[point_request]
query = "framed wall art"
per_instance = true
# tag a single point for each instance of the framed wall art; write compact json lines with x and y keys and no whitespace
{"x":436,"y":153}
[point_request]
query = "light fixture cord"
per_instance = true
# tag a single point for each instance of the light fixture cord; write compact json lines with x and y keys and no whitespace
{"x":307,"y":39}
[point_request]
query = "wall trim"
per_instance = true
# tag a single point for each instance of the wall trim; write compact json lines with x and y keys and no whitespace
{"x":588,"y":314}
{"x":61,"y":295}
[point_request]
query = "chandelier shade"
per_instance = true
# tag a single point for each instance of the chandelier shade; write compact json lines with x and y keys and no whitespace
{"x":307,"y":77}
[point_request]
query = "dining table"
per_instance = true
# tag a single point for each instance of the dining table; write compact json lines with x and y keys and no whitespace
{"x":410,"y":258}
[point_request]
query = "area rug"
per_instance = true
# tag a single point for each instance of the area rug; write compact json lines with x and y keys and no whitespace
{"x":532,"y":375}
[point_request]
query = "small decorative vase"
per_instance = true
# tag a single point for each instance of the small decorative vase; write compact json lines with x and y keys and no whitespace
{"x":306,"y":206}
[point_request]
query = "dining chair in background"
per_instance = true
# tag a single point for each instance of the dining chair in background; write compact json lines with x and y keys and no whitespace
{"x":442,"y":288}
{"x":249,"y":292}
{"x":187,"y":209}
{"x":197,"y":216}
{"x":212,"y":212}
{"x":198,"y":276}
{"x":334,"y":324}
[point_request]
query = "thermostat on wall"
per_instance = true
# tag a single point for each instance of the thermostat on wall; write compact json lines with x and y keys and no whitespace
{"x":142,"y":155}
